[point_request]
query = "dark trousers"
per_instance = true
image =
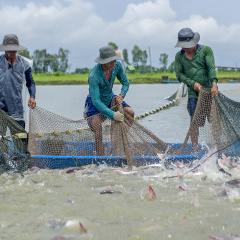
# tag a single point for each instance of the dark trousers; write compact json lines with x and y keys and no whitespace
{"x":21,"y":123}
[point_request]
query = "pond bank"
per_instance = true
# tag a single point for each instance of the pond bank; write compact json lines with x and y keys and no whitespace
{"x":134,"y":78}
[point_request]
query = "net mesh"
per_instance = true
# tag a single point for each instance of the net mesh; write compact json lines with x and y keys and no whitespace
{"x":214,"y":128}
{"x":14,"y":155}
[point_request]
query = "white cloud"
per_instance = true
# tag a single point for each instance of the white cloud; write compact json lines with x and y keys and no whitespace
{"x":74,"y":25}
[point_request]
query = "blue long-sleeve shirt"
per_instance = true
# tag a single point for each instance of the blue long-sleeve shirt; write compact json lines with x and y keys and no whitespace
{"x":100,"y":89}
{"x":12,"y":79}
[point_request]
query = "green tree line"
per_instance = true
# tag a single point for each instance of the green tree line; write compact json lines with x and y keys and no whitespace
{"x":44,"y":62}
{"x":140,"y":58}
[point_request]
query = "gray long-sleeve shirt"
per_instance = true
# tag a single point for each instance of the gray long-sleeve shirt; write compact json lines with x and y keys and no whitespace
{"x":12,"y":78}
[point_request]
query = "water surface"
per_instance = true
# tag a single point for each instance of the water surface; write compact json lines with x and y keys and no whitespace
{"x":37,"y":205}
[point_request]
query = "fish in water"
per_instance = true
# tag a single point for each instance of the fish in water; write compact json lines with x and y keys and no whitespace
{"x":52,"y":224}
{"x":82,"y":228}
{"x":235,"y":183}
{"x":156,"y":165}
{"x":221,"y":193}
{"x":33,"y":170}
{"x":225,"y":237}
{"x":183,"y":220}
{"x":151,"y":194}
{"x":72,"y":169}
{"x":195,"y":200}
{"x":185,"y":187}
{"x":110,"y":192}
{"x":125,"y":173}
{"x":70,"y":224}
{"x":163,"y":155}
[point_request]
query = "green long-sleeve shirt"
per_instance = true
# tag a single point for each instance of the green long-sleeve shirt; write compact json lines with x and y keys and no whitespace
{"x":100,"y":89}
{"x":201,"y":69}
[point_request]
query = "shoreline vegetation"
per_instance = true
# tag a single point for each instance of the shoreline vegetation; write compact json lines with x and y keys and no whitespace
{"x":134,"y":78}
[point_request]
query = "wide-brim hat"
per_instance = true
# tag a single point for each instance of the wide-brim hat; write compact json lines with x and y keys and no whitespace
{"x":107,"y":54}
{"x":187,"y":38}
{"x":11,"y":43}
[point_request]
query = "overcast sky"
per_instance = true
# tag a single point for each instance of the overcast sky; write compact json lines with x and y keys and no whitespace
{"x":83,"y":26}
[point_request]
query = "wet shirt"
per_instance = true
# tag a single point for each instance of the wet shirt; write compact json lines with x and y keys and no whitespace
{"x":201,"y":69}
{"x":12,"y":78}
{"x":100,"y":89}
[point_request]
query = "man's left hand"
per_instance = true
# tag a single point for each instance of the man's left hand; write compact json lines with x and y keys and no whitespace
{"x":119,"y":99}
{"x":214,"y":89}
{"x":32,"y":103}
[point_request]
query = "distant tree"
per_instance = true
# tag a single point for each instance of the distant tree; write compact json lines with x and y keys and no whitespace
{"x":136,"y":56}
{"x":43,"y":61}
{"x":144,"y":57}
{"x":163,"y":61}
{"x":40,"y":61}
{"x":171,"y":68}
{"x":125,"y":56}
{"x":24,"y":53}
{"x":63,"y":59}
{"x":139,"y":56}
{"x":54,"y":63}
{"x":114,"y":45}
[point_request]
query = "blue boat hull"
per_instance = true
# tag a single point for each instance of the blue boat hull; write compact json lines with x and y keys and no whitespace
{"x":55,"y":162}
{"x":77,"y":157}
{"x":167,"y":81}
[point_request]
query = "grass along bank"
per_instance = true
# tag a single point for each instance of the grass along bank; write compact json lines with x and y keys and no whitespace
{"x":134,"y":78}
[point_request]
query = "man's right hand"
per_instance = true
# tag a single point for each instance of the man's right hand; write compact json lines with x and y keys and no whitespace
{"x":197,"y":86}
{"x":118,"y":116}
{"x":32,"y":102}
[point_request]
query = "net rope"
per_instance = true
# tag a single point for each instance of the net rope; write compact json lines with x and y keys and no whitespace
{"x":181,"y":92}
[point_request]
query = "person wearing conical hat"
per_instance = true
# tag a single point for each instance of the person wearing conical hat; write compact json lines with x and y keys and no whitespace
{"x":14,"y":70}
{"x":98,"y":102}
{"x":195,"y":66}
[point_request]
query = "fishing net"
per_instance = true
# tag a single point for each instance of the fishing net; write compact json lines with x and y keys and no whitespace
{"x":214,"y":130}
{"x":57,"y":142}
{"x":14,"y":155}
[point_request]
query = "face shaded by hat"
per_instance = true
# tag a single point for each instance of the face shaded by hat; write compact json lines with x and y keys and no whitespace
{"x":11,"y":43}
{"x":107,"y":54}
{"x":187,"y":38}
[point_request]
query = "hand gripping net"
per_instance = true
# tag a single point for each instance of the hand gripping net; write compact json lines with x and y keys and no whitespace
{"x":14,"y":156}
{"x":214,"y":129}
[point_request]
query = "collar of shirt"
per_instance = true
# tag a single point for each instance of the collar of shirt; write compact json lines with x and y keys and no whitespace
{"x":199,"y":47}
{"x":103,"y":75}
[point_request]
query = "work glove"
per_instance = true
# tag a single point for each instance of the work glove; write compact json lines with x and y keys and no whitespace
{"x":118,"y":116}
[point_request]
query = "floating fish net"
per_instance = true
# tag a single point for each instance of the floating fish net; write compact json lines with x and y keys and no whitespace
{"x":14,"y":155}
{"x":58,"y":142}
